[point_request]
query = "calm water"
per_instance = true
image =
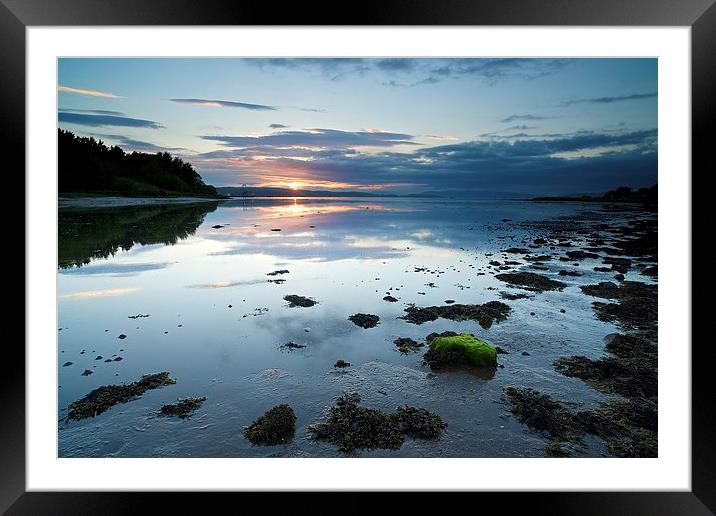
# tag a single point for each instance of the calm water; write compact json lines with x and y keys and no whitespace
{"x":217,"y":324}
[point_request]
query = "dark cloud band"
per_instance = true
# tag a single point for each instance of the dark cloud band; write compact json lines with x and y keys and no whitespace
{"x":610,"y":100}
{"x":317,"y":138}
{"x":225,"y":103}
{"x":105,"y":120}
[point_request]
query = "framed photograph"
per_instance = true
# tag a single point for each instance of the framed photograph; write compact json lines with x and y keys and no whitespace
{"x":433,"y":247}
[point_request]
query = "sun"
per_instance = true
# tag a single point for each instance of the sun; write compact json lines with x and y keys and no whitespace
{"x":293,"y":186}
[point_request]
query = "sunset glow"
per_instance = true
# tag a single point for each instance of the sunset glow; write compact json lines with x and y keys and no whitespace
{"x":309,"y":184}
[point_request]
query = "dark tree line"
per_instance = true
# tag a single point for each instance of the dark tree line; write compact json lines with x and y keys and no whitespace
{"x":88,"y":165}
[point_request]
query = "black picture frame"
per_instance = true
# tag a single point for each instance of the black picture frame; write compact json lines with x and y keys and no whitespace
{"x":700,"y":15}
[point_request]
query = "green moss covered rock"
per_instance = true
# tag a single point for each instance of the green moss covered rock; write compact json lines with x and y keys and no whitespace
{"x":461,"y":349}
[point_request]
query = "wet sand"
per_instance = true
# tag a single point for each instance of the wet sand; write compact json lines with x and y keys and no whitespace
{"x":117,"y":202}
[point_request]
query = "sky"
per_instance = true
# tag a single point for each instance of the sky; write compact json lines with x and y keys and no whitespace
{"x":386,"y":125}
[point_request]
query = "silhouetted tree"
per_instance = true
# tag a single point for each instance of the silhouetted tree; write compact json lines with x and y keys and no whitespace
{"x":88,"y":165}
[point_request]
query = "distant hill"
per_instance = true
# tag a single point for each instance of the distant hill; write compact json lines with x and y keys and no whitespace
{"x":467,"y":194}
{"x":257,"y":191}
{"x":647,"y":196}
{"x":88,"y":166}
{"x":270,"y":191}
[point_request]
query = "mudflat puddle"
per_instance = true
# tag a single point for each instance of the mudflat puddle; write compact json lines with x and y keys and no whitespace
{"x":247,"y":303}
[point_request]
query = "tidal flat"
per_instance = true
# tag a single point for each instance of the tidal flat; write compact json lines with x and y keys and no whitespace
{"x":245,"y":318}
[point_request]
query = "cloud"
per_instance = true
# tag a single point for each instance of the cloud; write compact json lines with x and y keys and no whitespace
{"x":433,"y":69}
{"x":501,"y":132}
{"x":527,"y":117}
{"x":317,"y":138}
{"x":610,"y":100}
{"x":225,"y":103}
{"x":105,"y":120}
{"x":278,"y":126}
{"x":495,"y":70}
{"x":395,"y":64}
{"x":92,"y":111}
{"x":578,"y":162}
{"x":130,"y":144}
{"x":83,"y":91}
{"x":309,"y":110}
{"x":332,"y":68}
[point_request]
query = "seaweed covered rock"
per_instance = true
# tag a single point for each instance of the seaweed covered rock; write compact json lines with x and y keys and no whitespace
{"x":183,"y":408}
{"x":341,"y":364}
{"x":419,"y":422}
{"x":276,"y":426}
{"x":639,"y":444}
{"x":637,"y":306}
{"x":530,"y":281}
{"x":407,"y":345}
{"x":292,"y":345}
{"x":630,"y":373}
{"x":448,"y":333}
{"x":485,"y":314}
{"x":651,"y":271}
{"x":107,"y":396}
{"x":350,"y":426}
{"x":621,"y":265}
{"x":364,"y":320}
{"x":513,"y":297}
{"x":540,"y":412}
{"x":581,"y":255}
{"x":294,"y":300}
{"x":603,"y":289}
{"x":628,"y":426}
{"x":555,"y":449}
{"x":461,"y":349}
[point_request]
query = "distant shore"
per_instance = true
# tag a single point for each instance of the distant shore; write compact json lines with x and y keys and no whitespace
{"x":579,"y":200}
{"x":118,"y":202}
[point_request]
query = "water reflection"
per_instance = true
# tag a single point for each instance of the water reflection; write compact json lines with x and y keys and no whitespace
{"x":329,"y":230}
{"x":217,"y":320}
{"x":93,"y":294}
{"x":84,"y":235}
{"x":291,"y":229}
